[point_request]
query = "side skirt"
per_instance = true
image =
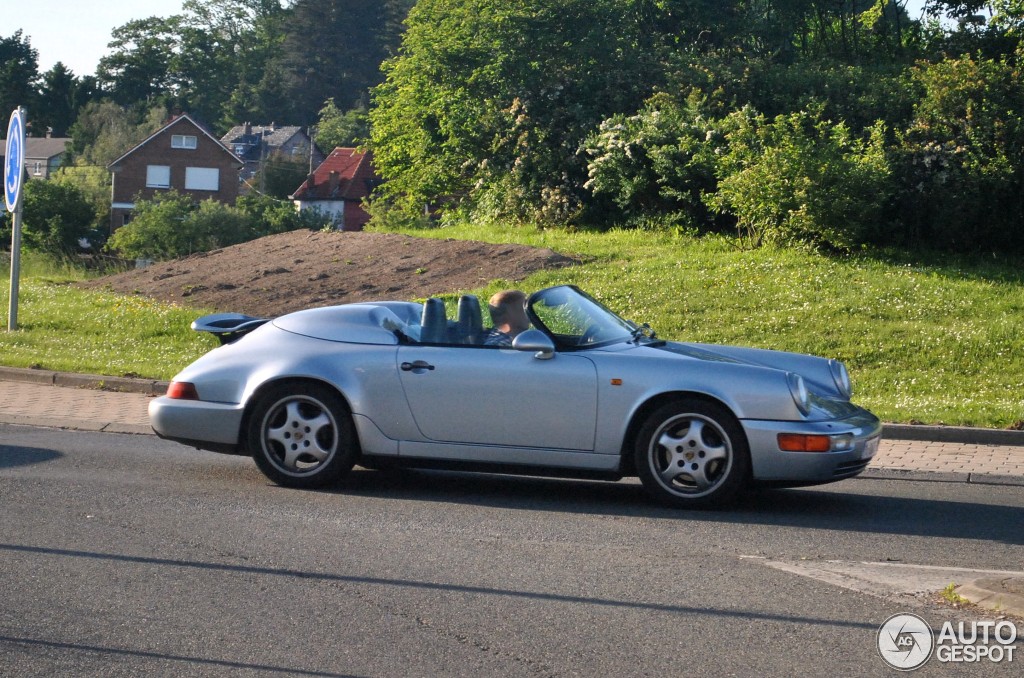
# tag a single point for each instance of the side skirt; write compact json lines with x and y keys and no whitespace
{"x":381,"y":462}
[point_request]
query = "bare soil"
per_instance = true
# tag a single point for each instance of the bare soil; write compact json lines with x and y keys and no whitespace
{"x":302,"y":269}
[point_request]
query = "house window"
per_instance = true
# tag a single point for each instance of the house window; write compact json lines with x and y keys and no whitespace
{"x":202,"y":179}
{"x":158,"y":176}
{"x":183,"y":141}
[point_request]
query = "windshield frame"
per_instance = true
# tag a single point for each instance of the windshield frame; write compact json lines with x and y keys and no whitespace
{"x":611,"y":328}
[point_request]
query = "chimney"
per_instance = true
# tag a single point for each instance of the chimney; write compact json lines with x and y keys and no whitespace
{"x":332,"y":182}
{"x":247,"y":129}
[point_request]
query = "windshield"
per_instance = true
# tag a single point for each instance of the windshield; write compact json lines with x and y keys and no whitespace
{"x":575,"y":320}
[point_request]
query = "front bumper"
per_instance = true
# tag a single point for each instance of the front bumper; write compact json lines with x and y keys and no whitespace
{"x":772,"y":465}
{"x":208,"y":426}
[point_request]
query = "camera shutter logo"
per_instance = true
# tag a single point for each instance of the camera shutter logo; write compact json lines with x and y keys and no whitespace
{"x":905,"y":642}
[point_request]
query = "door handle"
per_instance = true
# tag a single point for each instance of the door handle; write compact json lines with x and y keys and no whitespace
{"x":418,"y":365}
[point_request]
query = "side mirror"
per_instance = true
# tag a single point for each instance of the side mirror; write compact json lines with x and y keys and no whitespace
{"x":536,"y":341}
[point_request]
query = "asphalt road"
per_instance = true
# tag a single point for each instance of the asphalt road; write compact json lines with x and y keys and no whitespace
{"x":129,"y":556}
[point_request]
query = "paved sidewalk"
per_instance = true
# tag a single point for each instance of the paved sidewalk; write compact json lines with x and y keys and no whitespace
{"x":86,"y":402}
{"x":82,"y":402}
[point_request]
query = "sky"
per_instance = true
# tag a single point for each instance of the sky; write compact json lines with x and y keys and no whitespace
{"x":75,"y":32}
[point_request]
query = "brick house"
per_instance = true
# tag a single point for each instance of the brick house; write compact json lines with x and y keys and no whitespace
{"x":255,"y":144}
{"x":182,"y":156}
{"x":337,"y":188}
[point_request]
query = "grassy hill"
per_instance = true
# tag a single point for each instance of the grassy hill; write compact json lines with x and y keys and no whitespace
{"x":933,"y":340}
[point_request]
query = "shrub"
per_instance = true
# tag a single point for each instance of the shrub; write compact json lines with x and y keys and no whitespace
{"x":801,"y":178}
{"x":54,"y":217}
{"x":269,"y":215}
{"x":171,"y":225}
{"x":657,"y":161}
{"x":961,"y":162}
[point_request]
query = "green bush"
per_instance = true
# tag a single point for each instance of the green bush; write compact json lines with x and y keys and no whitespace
{"x":269,"y":215}
{"x":171,"y":225}
{"x":659,"y":161}
{"x":801,"y":178}
{"x":961,"y":162}
{"x":54,"y":217}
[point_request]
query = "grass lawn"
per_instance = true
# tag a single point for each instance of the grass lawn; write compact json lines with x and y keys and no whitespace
{"x":938,"y":340}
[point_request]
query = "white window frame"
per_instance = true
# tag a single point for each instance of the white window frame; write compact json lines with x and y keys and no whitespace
{"x":202,"y":179}
{"x":189,"y":141}
{"x":158,"y":176}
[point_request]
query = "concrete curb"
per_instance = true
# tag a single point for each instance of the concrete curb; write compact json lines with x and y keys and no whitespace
{"x":953,"y":434}
{"x":881,"y":473}
{"x":998,"y":594}
{"x":89,"y":381}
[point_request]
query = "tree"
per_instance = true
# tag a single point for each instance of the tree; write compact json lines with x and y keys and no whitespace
{"x":93,"y":183}
{"x":488,"y":102}
{"x":333,"y":49}
{"x":19,"y":73}
{"x":138,"y":68}
{"x":351,"y":128}
{"x":281,"y":174}
{"x":58,"y":100}
{"x":226,"y":46}
{"x":104,"y":131}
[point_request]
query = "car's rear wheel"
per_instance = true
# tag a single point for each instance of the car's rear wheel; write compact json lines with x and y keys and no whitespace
{"x":301,"y":435}
{"x":691,"y":453}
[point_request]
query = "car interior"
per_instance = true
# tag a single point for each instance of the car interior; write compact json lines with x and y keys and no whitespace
{"x":467,"y":329}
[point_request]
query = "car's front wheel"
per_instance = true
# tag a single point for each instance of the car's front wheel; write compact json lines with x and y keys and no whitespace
{"x":301,"y":435}
{"x":691,"y":453}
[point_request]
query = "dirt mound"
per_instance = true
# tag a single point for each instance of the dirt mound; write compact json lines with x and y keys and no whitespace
{"x":301,"y":269}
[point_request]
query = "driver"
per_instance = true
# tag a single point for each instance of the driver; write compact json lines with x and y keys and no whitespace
{"x":508,"y":314}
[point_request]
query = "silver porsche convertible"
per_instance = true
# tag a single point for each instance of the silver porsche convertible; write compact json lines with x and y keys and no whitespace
{"x":582,"y":393}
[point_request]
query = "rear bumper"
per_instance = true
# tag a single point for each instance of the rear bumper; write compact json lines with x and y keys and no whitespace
{"x":771,"y":465}
{"x":208,"y":426}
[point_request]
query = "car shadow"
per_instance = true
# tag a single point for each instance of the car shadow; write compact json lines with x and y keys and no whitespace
{"x":868,"y":505}
{"x":11,"y":457}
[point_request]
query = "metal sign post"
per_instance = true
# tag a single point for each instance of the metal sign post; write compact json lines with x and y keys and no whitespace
{"x":14,"y":172}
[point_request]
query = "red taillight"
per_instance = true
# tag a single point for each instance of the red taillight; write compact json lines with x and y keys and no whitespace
{"x":796,"y":442}
{"x":182,"y":390}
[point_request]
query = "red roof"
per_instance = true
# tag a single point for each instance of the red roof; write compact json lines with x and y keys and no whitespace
{"x":346,"y":174}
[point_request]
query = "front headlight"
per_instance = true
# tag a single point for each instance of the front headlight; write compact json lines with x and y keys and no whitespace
{"x":842,"y":378}
{"x":798,"y":389}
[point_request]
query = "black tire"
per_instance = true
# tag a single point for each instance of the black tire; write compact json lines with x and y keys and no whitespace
{"x":301,"y":435}
{"x":691,"y":453}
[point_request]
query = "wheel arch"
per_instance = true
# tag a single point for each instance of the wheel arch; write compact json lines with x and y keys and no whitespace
{"x":641,"y":413}
{"x":266,"y":386}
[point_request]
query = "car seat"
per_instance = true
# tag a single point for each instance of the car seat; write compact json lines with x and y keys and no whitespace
{"x":434,"y":322}
{"x":469,"y":324}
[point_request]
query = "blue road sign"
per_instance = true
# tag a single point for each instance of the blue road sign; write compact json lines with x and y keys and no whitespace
{"x":14,"y":160}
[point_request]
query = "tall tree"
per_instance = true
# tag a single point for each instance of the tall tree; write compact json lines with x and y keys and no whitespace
{"x":333,"y":50}
{"x":58,"y":100}
{"x":19,"y":73}
{"x":225,"y":48}
{"x":490,"y":101}
{"x":138,"y":68}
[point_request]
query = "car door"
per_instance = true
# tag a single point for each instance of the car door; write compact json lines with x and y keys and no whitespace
{"x":492,"y":396}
